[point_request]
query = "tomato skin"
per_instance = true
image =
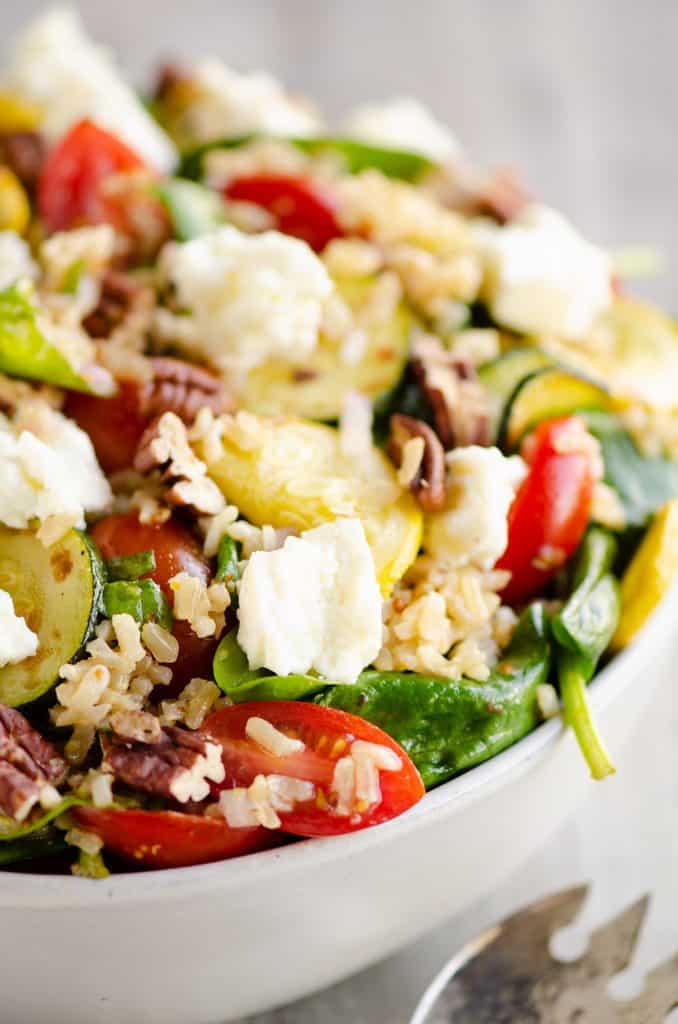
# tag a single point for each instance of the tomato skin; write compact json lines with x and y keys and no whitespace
{"x":168,"y":839}
{"x":301,"y":207}
{"x":114,"y":425}
{"x":327,"y":734}
{"x":176,"y":550}
{"x":552,"y":507}
{"x":69,"y":189}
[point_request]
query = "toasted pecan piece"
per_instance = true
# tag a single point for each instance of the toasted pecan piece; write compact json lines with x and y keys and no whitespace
{"x":28,"y":765}
{"x":456,"y":397}
{"x":179,"y":766}
{"x":184,"y":388}
{"x":24,"y":153}
{"x":425,"y":474}
{"x":164,"y":447}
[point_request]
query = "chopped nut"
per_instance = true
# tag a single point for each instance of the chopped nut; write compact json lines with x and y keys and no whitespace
{"x":24,"y":154}
{"x":179,"y":766}
{"x":184,"y":389}
{"x":427,"y":483}
{"x":165,"y":447}
{"x":29,"y":765}
{"x":121,"y":297}
{"x":457,"y":399}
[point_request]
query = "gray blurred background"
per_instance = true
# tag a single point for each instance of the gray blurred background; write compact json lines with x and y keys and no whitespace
{"x":575,"y":93}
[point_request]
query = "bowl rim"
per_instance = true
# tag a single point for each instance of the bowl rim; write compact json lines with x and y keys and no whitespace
{"x":34,"y":890}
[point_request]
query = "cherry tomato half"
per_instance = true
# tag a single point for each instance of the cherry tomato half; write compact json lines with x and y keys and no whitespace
{"x":327,"y":734}
{"x":168,"y":839}
{"x":300,"y":206}
{"x":70,"y":185}
{"x":175,"y":550}
{"x":552,"y":508}
{"x":114,"y":425}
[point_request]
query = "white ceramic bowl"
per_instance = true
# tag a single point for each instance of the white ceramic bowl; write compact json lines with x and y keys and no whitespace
{"x":207,"y":944}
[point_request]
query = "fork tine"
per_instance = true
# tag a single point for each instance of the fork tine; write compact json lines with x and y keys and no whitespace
{"x":658,"y":998}
{"x":611,"y":946}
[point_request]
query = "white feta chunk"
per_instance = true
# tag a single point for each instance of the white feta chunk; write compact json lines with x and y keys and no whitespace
{"x":251,"y":297}
{"x":542,"y":277}
{"x":15,"y":260}
{"x":473,"y":527}
{"x":228,"y":102}
{"x":17,"y":641}
{"x":403,"y":123}
{"x":313,"y":604}
{"x":48,"y":469}
{"x":57,"y":66}
{"x":194,"y":782}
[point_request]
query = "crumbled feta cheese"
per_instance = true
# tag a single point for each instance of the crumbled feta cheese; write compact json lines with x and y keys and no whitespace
{"x":355,"y":425}
{"x":57,"y":66}
{"x":473,"y":529}
{"x":251,"y":296}
{"x":230,"y":103}
{"x":194,"y":783}
{"x":270,"y":739}
{"x":48,"y":469}
{"x":542,"y":277}
{"x":312,"y":604}
{"x":403,"y":123}
{"x":17,"y":641}
{"x":15,"y":260}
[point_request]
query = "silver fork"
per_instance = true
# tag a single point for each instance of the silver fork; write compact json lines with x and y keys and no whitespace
{"x":508,"y":976}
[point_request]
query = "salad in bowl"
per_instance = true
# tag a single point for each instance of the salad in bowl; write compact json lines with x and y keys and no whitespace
{"x":330,"y":465}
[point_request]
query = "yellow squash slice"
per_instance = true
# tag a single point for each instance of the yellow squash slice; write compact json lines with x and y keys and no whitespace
{"x":292,"y":472}
{"x":649,"y":575}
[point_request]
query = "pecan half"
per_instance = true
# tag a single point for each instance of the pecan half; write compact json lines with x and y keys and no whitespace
{"x":171,"y":77}
{"x":28,"y":764}
{"x":121,"y":297}
{"x":164,"y":447}
{"x":426,"y":479}
{"x":184,"y":389}
{"x":180,"y":766}
{"x":456,"y":397}
{"x":24,"y":153}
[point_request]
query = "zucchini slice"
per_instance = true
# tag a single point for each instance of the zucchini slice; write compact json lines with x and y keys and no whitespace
{"x":314,"y":389}
{"x":547,"y":393}
{"x":58,"y":592}
{"x":502,"y":375}
{"x":356,"y":156}
{"x":193,"y":209}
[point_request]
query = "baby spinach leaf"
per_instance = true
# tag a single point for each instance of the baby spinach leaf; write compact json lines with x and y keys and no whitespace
{"x":643,"y":483}
{"x":447,"y":727}
{"x":234,"y":677}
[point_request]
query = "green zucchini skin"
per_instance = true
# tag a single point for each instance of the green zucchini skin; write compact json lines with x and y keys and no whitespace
{"x":445,"y":726}
{"x":357,"y":156}
{"x":59,"y":591}
{"x":501,"y":377}
{"x":545,"y":394}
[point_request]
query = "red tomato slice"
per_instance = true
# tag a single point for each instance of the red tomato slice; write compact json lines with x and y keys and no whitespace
{"x":552,"y":508}
{"x":327,"y":734}
{"x":301,"y":207}
{"x":176,"y":550}
{"x":167,"y":839}
{"x":69,"y":189}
